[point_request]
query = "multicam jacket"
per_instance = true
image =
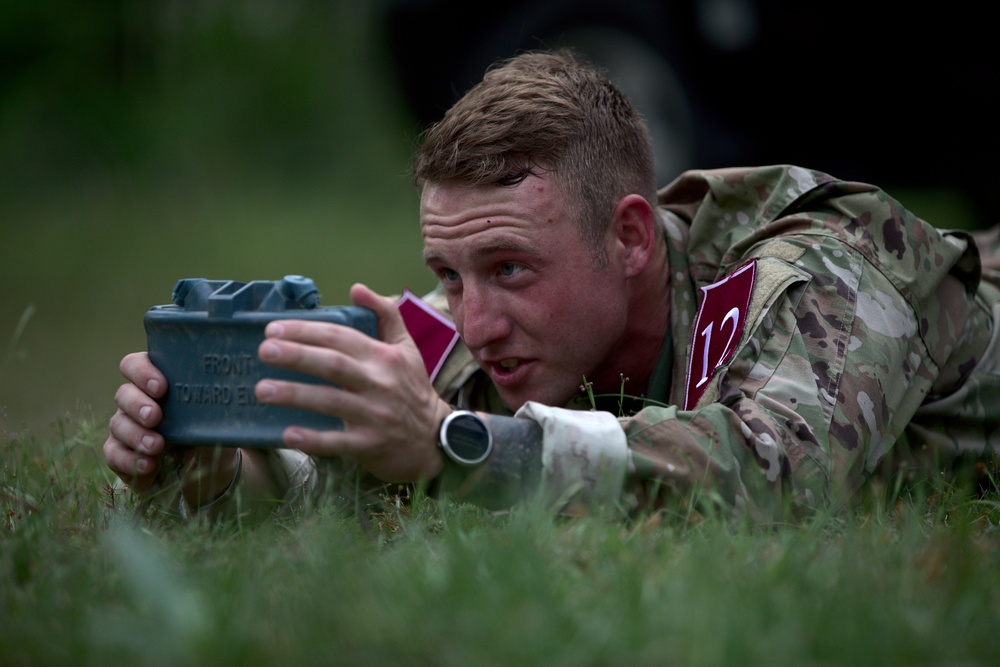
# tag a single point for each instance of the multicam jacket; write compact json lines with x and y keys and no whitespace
{"x":821,"y":334}
{"x":870,"y":339}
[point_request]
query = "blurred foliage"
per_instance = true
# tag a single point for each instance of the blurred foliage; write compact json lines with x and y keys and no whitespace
{"x":104,"y":86}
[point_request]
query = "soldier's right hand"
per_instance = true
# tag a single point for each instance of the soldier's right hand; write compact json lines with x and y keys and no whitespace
{"x":132,"y":449}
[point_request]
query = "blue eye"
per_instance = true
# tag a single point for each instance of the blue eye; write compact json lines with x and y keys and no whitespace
{"x":448,"y":275}
{"x":509,"y":268}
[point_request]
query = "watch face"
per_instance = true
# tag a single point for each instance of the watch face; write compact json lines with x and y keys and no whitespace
{"x":465,"y":438}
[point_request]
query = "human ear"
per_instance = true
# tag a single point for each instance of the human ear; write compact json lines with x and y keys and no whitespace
{"x":634,"y":226}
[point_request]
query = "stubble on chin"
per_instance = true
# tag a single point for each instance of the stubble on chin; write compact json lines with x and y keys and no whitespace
{"x":552,"y":398}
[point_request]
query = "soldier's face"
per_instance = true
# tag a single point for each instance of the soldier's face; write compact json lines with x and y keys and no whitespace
{"x":526,"y":295}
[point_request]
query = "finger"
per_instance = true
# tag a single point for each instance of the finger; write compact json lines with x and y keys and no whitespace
{"x":338,"y":337}
{"x":324,"y":399}
{"x":354,"y":444}
{"x":140,"y":371}
{"x":391,"y":328}
{"x":322,"y":334}
{"x":135,"y":436}
{"x":136,"y":470}
{"x":318,"y":359}
{"x":387,"y":463}
{"x":131,"y":400}
{"x":323,"y":443}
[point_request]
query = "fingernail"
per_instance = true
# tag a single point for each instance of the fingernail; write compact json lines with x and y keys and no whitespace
{"x":142,"y":466}
{"x":269,"y":352}
{"x":265,"y":390}
{"x":293,"y":436}
{"x":275,"y":329}
{"x":152,"y":387}
{"x":146,"y":444}
{"x":144,"y":412}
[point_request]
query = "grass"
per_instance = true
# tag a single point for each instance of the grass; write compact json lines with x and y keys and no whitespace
{"x":195,"y":184}
{"x":83,"y":582}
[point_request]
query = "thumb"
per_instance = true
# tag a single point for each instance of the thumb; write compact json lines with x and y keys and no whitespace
{"x":391,"y":328}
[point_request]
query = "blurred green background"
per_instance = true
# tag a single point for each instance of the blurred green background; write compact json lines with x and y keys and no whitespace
{"x":142,"y":142}
{"x":146,"y":141}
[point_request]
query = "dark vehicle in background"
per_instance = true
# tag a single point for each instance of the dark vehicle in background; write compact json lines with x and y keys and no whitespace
{"x":890,"y":93}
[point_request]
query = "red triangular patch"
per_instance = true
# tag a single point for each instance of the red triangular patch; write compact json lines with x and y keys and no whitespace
{"x":434,"y":334}
{"x":718,"y":328}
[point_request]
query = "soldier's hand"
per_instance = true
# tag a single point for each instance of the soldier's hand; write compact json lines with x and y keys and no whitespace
{"x":134,"y":450}
{"x":389,"y":408}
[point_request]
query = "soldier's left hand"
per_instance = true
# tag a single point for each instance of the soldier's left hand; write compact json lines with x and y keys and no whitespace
{"x":389,"y":408}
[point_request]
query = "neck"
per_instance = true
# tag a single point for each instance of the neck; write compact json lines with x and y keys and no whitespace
{"x":645,"y":331}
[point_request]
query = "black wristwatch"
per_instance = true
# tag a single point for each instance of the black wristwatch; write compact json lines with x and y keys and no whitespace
{"x":464,"y":438}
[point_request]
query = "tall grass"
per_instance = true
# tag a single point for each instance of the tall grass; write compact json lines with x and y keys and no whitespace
{"x":83,"y":581}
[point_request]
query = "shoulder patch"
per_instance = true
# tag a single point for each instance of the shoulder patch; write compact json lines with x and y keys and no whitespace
{"x":434,"y":334}
{"x":718,"y":328}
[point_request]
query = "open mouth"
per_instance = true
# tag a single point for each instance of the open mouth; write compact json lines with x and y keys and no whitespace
{"x":509,"y":372}
{"x":509,"y":364}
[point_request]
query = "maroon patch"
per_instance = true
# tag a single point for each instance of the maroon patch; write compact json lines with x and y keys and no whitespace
{"x":434,"y":334}
{"x":718,"y":328}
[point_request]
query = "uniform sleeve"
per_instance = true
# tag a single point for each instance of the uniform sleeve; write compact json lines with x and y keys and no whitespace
{"x":834,"y":364}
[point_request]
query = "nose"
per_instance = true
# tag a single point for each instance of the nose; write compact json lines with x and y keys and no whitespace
{"x":480,"y":319}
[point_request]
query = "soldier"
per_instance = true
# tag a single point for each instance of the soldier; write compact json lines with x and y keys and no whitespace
{"x":765,"y":339}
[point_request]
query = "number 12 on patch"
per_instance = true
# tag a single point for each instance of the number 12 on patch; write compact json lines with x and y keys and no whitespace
{"x":718,"y":328}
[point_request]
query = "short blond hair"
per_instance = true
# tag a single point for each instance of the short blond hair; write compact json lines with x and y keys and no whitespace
{"x":545,"y":111}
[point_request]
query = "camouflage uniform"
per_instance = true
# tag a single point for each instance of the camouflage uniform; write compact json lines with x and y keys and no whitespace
{"x":868,"y":340}
{"x":869,"y":334}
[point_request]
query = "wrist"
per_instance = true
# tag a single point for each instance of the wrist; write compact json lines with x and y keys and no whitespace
{"x":212,"y":475}
{"x":437,"y":460}
{"x":464,"y":444}
{"x":464,"y":438}
{"x":511,"y":472}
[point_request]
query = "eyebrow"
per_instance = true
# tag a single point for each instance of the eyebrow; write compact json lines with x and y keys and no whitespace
{"x":488,"y":250}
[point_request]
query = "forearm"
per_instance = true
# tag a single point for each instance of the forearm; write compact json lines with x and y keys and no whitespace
{"x":207,"y":473}
{"x":223,"y":483}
